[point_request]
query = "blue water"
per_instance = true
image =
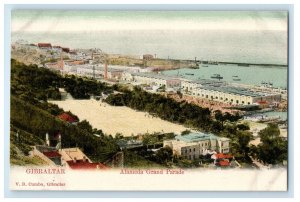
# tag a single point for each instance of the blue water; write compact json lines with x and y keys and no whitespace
{"x":283,"y":115}
{"x":249,"y":75}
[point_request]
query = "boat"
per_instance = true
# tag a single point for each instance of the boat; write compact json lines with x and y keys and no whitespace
{"x":235,"y":78}
{"x":189,"y":74}
{"x":216,"y":76}
{"x":195,"y":66}
{"x":267,"y":84}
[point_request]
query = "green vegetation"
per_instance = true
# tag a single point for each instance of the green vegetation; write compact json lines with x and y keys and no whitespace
{"x":164,"y":155}
{"x":273,"y":149}
{"x":20,"y":146}
{"x":33,"y":84}
{"x":133,"y":159}
{"x":38,"y":122}
{"x":81,"y":88}
{"x":30,"y":112}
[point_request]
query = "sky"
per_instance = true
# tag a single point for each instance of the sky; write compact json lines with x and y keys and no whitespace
{"x":79,"y":21}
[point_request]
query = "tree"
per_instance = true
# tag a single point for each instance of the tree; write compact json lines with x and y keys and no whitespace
{"x":220,"y":117}
{"x":243,"y":127}
{"x":273,"y":149}
{"x":179,"y":93}
{"x":185,"y":132}
{"x":164,"y":155}
{"x":85,"y":125}
{"x":244,"y":138}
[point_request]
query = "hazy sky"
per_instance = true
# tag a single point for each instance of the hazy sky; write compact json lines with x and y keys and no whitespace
{"x":76,"y":21}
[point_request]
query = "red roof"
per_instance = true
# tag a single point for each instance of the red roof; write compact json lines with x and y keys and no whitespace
{"x":67,"y":117}
{"x":65,"y":49}
{"x":262,"y":102}
{"x":52,"y":154}
{"x":80,"y":164}
{"x":223,"y":156}
{"x":44,"y":45}
{"x":224,"y":163}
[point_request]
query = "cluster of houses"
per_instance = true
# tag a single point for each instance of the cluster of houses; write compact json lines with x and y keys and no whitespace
{"x":71,"y":158}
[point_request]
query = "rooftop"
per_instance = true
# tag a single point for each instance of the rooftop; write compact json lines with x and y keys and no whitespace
{"x":156,"y":76}
{"x":224,"y":163}
{"x":196,"y":137}
{"x":97,"y":67}
{"x":81,"y":164}
{"x":44,"y":45}
{"x":233,"y":90}
{"x":223,"y":156}
{"x":67,"y":117}
{"x":52,"y":154}
{"x":205,"y":82}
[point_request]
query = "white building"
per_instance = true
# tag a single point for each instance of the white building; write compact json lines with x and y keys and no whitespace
{"x":98,"y":72}
{"x":156,"y":80}
{"x":226,"y":93}
{"x":193,"y":145}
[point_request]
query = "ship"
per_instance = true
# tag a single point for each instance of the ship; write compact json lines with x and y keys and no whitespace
{"x":216,"y":76}
{"x":195,"y":66}
{"x":213,"y":62}
{"x":235,"y":78}
{"x":267,"y":84}
{"x":189,"y":74}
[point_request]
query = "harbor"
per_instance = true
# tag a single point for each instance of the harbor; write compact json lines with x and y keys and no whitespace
{"x":251,"y":76}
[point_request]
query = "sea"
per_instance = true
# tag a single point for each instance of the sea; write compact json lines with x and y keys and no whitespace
{"x":253,"y":75}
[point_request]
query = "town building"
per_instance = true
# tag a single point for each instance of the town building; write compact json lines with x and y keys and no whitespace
{"x":98,"y":72}
{"x":227,"y":93}
{"x":68,"y":118}
{"x":98,"y":57}
{"x":57,"y":48}
{"x":147,"y":57}
{"x":156,"y":80}
{"x":45,"y":45}
{"x":72,"y":158}
{"x":64,"y":49}
{"x":193,"y":145}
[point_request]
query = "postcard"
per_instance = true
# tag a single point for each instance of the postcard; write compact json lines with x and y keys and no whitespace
{"x":149,"y":100}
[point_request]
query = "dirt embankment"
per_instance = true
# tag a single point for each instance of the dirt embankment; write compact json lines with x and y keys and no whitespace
{"x":156,"y":63}
{"x":27,"y":56}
